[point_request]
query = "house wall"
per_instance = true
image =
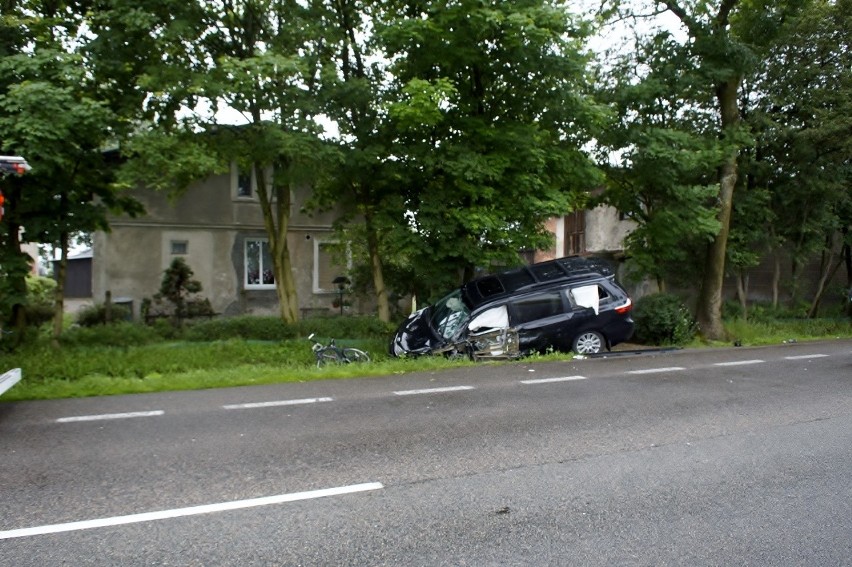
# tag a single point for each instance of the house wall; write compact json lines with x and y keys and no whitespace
{"x":214,"y":223}
{"x":605,"y":231}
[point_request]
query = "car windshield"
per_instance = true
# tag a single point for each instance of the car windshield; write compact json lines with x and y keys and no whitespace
{"x":448,"y":314}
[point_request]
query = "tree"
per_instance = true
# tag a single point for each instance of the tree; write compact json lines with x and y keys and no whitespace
{"x":490,"y":111}
{"x":51,"y":113}
{"x":255,"y":58}
{"x":659,"y":160}
{"x":723,"y":44}
{"x":799,"y":107}
{"x":363,"y":181}
{"x":177,"y":286}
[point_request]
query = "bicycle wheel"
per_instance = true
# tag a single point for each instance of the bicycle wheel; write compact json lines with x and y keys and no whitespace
{"x":355,"y":355}
{"x":327,"y":356}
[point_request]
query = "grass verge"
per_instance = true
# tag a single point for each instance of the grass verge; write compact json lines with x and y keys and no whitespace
{"x":136,"y":366}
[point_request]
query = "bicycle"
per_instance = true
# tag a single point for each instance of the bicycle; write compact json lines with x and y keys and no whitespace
{"x":333,"y":354}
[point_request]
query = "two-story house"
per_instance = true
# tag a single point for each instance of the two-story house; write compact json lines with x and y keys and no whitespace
{"x":216,"y":225}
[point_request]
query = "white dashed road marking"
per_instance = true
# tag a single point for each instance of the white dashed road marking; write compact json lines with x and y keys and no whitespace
{"x":805,"y":356}
{"x":277,"y":403}
{"x":549,"y":380}
{"x":109,"y":416}
{"x":655,"y":370}
{"x":191,"y":511}
{"x":739,"y":363}
{"x":433,"y":390}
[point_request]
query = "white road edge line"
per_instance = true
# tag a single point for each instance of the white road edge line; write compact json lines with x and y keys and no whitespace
{"x":191,"y":511}
{"x":655,"y":370}
{"x":252,"y":405}
{"x":806,"y":356}
{"x":433,"y":390}
{"x":549,"y":380}
{"x":739,"y":362}
{"x":110,"y":416}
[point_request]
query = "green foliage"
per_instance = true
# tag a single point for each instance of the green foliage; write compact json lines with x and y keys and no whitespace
{"x":663,"y":319}
{"x":346,"y":327}
{"x":96,"y":315}
{"x":119,"y":334}
{"x":243,"y":327}
{"x":39,"y":313}
{"x":40,"y":298}
{"x":40,"y":289}
{"x":273,"y":329}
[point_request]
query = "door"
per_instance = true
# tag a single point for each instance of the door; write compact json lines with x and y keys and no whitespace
{"x":539,"y":320}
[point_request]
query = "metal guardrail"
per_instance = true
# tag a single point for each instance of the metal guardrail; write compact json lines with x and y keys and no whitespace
{"x":9,"y":379}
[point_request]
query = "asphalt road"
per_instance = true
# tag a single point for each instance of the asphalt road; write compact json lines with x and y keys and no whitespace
{"x":714,"y":457}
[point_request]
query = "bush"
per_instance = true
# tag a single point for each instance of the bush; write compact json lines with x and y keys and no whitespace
{"x":267,"y":328}
{"x":121,"y":334}
{"x":40,"y":313}
{"x":242,"y":327}
{"x":663,"y":319}
{"x":361,"y":327}
{"x":96,"y":315}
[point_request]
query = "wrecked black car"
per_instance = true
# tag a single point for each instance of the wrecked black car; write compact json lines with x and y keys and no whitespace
{"x":565,"y":304}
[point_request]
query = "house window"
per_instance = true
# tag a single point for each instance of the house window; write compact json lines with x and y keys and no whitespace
{"x":179,"y":247}
{"x":328,"y":265}
{"x":575,"y":233}
{"x":244,"y":184}
{"x":259,"y":273}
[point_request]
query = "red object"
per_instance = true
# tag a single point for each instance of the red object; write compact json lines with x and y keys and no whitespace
{"x":2,"y":200}
{"x":625,"y":308}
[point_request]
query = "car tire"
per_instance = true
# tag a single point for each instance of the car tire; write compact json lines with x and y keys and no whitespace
{"x":589,"y":342}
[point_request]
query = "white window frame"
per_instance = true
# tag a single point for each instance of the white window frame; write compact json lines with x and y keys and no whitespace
{"x":246,"y":284}
{"x":317,"y":244}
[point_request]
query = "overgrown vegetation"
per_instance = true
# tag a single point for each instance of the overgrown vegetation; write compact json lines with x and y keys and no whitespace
{"x":663,"y":319}
{"x":126,"y":358}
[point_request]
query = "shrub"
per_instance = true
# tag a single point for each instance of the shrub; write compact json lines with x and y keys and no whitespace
{"x":96,"y":315}
{"x":362,"y":327}
{"x":663,"y":319}
{"x":121,"y":334}
{"x":268,"y":328}
{"x":242,"y":327}
{"x":40,"y":313}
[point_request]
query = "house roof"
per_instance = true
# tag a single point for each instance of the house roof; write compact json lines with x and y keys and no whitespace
{"x":82,"y":255}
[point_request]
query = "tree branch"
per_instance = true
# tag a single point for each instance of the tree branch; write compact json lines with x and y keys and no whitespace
{"x":724,"y":12}
{"x":691,"y":24}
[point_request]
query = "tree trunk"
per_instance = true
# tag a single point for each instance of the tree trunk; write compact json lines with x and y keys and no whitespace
{"x":742,"y":292}
{"x":16,"y":278}
{"x":285,"y":286}
{"x":776,"y":279}
{"x":59,"y":295}
{"x":377,"y":271}
{"x":710,"y":298}
{"x":827,"y":272}
{"x":276,"y":220}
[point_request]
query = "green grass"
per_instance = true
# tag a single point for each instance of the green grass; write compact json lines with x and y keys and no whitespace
{"x":760,"y":333}
{"x":139,"y":361}
{"x":80,"y":371}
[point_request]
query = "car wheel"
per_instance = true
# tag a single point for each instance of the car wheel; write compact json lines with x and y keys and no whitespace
{"x":589,"y":342}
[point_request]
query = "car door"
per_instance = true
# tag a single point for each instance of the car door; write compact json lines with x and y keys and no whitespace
{"x":539,"y":319}
{"x":586,"y":302}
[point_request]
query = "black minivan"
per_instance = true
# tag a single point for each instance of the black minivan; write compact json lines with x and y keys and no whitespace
{"x":564,"y":304}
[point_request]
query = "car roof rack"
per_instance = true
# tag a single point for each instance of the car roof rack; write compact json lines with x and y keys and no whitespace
{"x":530,"y":277}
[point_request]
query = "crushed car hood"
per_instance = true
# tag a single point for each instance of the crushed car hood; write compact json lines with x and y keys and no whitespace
{"x":415,"y":336}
